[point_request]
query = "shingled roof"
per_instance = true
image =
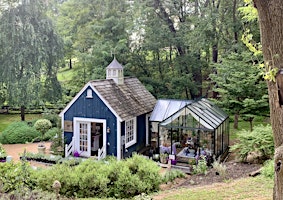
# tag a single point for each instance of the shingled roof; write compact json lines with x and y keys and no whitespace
{"x":128,"y":100}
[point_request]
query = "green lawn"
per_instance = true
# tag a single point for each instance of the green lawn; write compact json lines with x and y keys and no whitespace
{"x":6,"y":119}
{"x":251,"y":188}
{"x":65,"y":74}
{"x":246,"y":188}
{"x":244,"y":125}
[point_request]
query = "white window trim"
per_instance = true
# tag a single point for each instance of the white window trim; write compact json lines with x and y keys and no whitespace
{"x":134,"y":141}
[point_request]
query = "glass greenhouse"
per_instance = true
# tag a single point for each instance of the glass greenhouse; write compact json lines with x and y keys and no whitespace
{"x":189,"y":129}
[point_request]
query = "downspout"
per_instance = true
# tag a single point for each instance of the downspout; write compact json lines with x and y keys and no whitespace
{"x":63,"y":133}
{"x":158,"y":138}
{"x":171,"y":139}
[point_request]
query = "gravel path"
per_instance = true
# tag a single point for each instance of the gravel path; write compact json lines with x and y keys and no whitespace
{"x":15,"y":150}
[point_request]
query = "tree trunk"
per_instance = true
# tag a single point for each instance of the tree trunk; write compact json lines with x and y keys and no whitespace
{"x":236,"y":120}
{"x":70,"y":64}
{"x":271,"y":27}
{"x":251,"y":123}
{"x":235,"y":30}
{"x":215,"y":53}
{"x":23,"y":113}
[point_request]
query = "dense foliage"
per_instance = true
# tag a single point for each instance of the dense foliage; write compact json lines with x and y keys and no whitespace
{"x":51,"y":133}
{"x":102,"y":178}
{"x":178,"y":49}
{"x":268,"y":169}
{"x":22,"y":132}
{"x":30,"y":53}
{"x":108,"y":178}
{"x":241,"y":88}
{"x":18,"y":132}
{"x":15,"y":176}
{"x":259,"y":142}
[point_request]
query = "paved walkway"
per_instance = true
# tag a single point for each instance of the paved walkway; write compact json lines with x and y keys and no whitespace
{"x":15,"y":150}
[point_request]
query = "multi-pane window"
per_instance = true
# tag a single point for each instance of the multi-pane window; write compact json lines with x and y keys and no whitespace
{"x":130,"y":132}
{"x":83,"y":136}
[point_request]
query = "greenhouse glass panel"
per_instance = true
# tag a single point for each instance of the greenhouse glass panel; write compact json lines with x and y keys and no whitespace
{"x":216,"y":111}
{"x":167,"y":107}
{"x":197,"y":127}
{"x":159,"y":111}
{"x":200,"y":115}
{"x":212,"y":106}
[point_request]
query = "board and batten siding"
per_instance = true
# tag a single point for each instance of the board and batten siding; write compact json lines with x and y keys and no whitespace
{"x":94,"y":107}
{"x":141,"y":136}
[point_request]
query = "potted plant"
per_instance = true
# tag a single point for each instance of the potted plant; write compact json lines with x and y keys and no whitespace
{"x":42,"y":125}
{"x":76,"y":154}
{"x":164,"y":158}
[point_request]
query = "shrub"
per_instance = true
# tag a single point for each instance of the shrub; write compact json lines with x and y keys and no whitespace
{"x":18,"y":132}
{"x":201,"y":166}
{"x":259,"y":141}
{"x":219,"y":168}
{"x":268,"y":169}
{"x":51,"y":133}
{"x":14,"y":176}
{"x":42,"y":125}
{"x":147,"y":171}
{"x":171,"y":175}
{"x":109,"y":178}
{"x":57,"y":144}
{"x":2,"y":151}
{"x":53,"y":118}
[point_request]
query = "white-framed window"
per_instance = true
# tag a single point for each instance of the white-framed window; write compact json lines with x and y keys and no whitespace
{"x":89,"y":93}
{"x":130,"y":132}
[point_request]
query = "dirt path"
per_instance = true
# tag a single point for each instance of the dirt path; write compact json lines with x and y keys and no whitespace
{"x":15,"y":150}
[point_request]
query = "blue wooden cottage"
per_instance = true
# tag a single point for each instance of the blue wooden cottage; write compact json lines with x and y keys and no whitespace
{"x":108,"y":117}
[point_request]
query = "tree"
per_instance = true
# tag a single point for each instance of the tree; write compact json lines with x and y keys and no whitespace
{"x":241,"y":88}
{"x":30,"y":52}
{"x":178,"y":40}
{"x":271,"y":28}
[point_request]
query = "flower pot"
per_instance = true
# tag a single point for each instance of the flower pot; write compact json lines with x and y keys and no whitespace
{"x":164,"y":160}
{"x":41,"y":149}
{"x":155,"y":157}
{"x":173,"y":162}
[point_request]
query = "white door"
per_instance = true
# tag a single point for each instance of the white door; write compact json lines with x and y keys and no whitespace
{"x":84,"y":139}
{"x":83,"y":135}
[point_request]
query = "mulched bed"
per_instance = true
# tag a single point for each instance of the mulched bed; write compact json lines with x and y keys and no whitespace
{"x":234,"y":170}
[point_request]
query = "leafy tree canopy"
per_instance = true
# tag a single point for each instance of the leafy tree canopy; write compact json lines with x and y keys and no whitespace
{"x":30,"y":51}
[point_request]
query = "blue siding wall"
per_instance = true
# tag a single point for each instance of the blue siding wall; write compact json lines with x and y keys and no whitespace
{"x":93,"y":108}
{"x":141,"y":136}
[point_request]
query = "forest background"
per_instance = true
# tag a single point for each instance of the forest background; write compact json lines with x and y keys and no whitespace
{"x":181,"y":49}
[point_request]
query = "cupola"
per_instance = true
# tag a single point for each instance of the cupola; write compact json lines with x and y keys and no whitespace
{"x":115,"y":71}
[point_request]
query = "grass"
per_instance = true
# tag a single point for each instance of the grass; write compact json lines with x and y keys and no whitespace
{"x":6,"y":119}
{"x":244,"y":125}
{"x":65,"y":74}
{"x":246,"y":188}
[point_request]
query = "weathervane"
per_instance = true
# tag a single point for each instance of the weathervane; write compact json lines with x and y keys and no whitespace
{"x":113,"y":53}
